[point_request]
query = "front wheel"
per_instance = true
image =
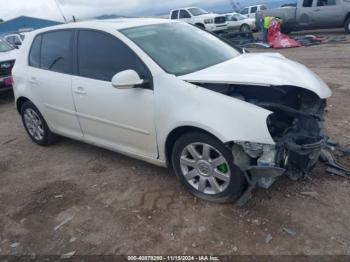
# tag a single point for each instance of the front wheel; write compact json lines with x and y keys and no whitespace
{"x":245,"y":28}
{"x":205,"y":168}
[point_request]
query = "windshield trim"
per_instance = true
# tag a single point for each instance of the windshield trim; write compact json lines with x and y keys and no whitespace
{"x":181,"y":74}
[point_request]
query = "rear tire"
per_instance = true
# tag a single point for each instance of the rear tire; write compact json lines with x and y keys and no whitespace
{"x":204,"y":166}
{"x":347,"y":25}
{"x":36,"y":126}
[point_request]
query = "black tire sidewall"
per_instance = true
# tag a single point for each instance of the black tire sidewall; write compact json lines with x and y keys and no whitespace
{"x":245,"y":26}
{"x":347,"y":22}
{"x":237,"y":183}
{"x":45,"y":141}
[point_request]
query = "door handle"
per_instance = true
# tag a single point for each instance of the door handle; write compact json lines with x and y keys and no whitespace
{"x":80,"y":91}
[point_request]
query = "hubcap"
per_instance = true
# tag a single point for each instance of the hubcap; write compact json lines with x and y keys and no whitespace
{"x":34,"y":125}
{"x":205,"y":168}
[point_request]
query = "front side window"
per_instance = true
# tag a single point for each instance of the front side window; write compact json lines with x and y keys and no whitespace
{"x":101,"y":56}
{"x":180,"y":48}
{"x":5,"y":47}
{"x":197,"y":11}
{"x":307,"y":3}
{"x":184,"y":14}
{"x":56,"y":51}
{"x":175,"y":14}
{"x":34,"y":55}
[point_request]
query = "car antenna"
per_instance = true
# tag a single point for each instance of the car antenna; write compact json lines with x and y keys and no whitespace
{"x":60,"y":10}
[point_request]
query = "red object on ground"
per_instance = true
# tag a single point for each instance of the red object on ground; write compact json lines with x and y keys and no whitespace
{"x":276,"y":39}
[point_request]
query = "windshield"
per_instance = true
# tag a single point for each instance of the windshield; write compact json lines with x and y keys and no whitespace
{"x":180,"y":48}
{"x":197,"y":11}
{"x":5,"y":47}
{"x":240,"y":17}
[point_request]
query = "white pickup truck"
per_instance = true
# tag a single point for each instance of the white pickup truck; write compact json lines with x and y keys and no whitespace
{"x":201,"y":18}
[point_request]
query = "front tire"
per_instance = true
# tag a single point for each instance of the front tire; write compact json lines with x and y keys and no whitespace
{"x":204,"y":166}
{"x":36,"y":126}
{"x":245,"y":28}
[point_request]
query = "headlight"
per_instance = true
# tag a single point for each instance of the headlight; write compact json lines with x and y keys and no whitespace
{"x":209,"y":21}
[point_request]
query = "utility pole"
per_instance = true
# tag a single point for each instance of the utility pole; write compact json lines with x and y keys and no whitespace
{"x":60,"y":10}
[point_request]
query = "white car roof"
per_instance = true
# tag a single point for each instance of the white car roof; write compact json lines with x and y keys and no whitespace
{"x":116,"y":24}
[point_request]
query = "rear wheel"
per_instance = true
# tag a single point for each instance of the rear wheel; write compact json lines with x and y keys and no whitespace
{"x":36,"y":126}
{"x":205,"y":168}
{"x":347,"y":25}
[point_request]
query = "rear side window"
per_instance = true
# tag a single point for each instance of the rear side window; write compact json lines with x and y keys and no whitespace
{"x":307,"y":3}
{"x":253,"y":10}
{"x":56,"y":51}
{"x":175,"y":14}
{"x":34,"y":55}
{"x":101,"y":56}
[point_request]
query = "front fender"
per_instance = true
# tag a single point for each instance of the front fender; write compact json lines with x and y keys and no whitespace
{"x":229,"y":119}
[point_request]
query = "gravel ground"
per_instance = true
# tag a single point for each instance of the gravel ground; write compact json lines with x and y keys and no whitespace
{"x":76,"y":197}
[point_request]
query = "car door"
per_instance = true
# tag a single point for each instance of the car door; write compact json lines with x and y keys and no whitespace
{"x":328,"y":13}
{"x":49,"y":73}
{"x":232,"y":21}
{"x":118,"y":119}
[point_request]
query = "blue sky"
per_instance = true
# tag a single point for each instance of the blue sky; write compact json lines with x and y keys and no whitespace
{"x":90,"y":8}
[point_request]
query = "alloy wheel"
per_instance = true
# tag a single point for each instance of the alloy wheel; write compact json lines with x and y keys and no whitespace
{"x":205,"y":168}
{"x":33,"y":124}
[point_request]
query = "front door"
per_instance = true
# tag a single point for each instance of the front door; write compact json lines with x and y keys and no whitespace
{"x":121,"y":120}
{"x":328,"y":13}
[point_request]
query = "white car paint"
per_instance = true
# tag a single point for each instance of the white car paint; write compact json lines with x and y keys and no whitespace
{"x":263,"y":69}
{"x":136,"y":121}
{"x":8,"y":55}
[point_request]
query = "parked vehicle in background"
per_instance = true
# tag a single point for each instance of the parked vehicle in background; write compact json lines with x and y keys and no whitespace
{"x":312,"y":14}
{"x":15,"y":39}
{"x":8,"y":56}
{"x":250,"y":11}
{"x":174,"y":95}
{"x":201,"y":18}
{"x":240,"y":22}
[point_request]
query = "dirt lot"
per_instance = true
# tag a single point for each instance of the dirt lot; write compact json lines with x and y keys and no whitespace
{"x":76,"y":197}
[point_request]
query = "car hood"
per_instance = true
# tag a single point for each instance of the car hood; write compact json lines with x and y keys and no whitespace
{"x":266,"y":69}
{"x":10,"y":55}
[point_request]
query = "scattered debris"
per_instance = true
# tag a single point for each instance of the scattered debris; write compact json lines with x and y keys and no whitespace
{"x":68,"y":255}
{"x":328,"y":158}
{"x":14,"y":245}
{"x":268,"y":238}
{"x":194,"y":245}
{"x":288,"y":231}
{"x":235,"y":249}
{"x":68,"y":219}
{"x":310,"y":194}
{"x":72,"y":239}
{"x":9,"y":141}
{"x":58,"y":196}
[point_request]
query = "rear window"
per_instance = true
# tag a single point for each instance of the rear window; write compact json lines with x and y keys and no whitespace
{"x":253,"y":10}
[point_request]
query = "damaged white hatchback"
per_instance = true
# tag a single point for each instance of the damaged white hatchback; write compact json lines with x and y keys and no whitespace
{"x":173,"y":95}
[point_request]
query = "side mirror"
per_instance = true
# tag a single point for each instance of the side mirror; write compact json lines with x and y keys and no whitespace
{"x":126,"y":79}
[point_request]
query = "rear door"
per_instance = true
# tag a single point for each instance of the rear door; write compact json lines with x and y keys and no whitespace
{"x":118,"y":119}
{"x":50,"y":77}
{"x":328,"y":13}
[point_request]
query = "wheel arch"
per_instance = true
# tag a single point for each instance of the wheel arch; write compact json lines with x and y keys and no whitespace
{"x":19,"y":103}
{"x":175,"y":134}
{"x":347,"y":17}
